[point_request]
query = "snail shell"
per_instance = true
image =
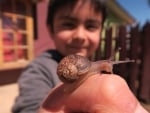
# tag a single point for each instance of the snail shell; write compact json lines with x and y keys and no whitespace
{"x":72,"y":67}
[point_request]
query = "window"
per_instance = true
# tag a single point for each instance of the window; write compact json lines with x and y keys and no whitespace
{"x":16,"y":34}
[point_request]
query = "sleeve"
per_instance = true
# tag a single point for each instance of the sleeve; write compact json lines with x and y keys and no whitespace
{"x":34,"y":84}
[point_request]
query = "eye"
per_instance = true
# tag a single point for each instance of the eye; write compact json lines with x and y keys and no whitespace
{"x":68,"y":25}
{"x":92,"y":26}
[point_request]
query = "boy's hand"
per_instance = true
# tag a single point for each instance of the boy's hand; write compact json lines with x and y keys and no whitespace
{"x":98,"y":94}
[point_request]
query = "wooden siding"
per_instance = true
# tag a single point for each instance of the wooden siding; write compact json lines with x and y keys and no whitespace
{"x":134,"y":44}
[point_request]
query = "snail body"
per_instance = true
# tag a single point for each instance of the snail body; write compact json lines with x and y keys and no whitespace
{"x":74,"y":67}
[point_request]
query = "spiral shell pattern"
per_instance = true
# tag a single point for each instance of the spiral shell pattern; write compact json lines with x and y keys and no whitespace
{"x":72,"y":67}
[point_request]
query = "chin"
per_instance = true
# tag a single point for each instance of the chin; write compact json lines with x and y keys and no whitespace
{"x":81,"y":53}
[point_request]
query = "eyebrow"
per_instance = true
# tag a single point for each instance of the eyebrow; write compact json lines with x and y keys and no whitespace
{"x":89,"y":20}
{"x":67,"y":17}
{"x":95,"y":21}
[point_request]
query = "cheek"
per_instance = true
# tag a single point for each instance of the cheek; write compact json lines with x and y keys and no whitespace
{"x":60,"y":37}
{"x":63,"y":35}
{"x":59,"y":42}
{"x":95,"y":39}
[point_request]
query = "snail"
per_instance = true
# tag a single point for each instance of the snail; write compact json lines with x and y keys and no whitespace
{"x":75,"y":67}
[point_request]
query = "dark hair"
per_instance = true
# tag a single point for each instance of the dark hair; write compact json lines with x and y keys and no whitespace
{"x":55,"y":5}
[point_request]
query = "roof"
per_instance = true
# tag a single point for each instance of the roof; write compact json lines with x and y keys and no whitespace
{"x":117,"y":13}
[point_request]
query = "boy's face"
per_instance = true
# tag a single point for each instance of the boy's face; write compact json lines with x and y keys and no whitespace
{"x":77,"y":31}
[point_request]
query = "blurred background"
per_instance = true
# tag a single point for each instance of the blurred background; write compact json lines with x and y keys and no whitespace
{"x":23,"y":36}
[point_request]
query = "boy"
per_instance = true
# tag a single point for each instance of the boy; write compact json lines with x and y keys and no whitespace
{"x":75,"y":26}
{"x":72,"y":32}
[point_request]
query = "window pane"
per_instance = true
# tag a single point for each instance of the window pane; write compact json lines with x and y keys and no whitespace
{"x":22,"y":54}
{"x":21,"y":23}
{"x":8,"y":43}
{"x":21,"y":39}
{"x":9,"y":55}
{"x":7,"y":22}
{"x":8,"y":39}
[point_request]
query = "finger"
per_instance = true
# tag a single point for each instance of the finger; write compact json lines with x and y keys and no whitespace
{"x":99,"y":93}
{"x":61,"y":96}
{"x":108,"y":91}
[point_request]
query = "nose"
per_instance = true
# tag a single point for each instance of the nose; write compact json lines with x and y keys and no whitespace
{"x":79,"y":33}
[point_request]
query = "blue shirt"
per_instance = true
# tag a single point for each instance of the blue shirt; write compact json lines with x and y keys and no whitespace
{"x":35,"y":82}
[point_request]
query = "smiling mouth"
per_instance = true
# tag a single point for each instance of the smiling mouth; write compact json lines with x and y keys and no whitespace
{"x":76,"y":48}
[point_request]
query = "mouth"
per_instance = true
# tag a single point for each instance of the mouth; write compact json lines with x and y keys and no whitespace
{"x":76,"y":48}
